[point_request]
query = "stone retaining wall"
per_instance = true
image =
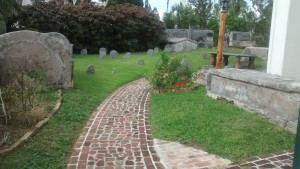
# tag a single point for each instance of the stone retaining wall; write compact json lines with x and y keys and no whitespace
{"x":274,"y":97}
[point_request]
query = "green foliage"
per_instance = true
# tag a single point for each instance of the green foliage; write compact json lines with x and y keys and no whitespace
{"x":123,"y":27}
{"x":2,"y":25}
{"x":184,"y":17}
{"x":203,"y":10}
{"x":169,"y":70}
{"x":135,"y":2}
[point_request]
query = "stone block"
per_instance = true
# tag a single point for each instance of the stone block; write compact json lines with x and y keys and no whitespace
{"x":140,"y":61}
{"x":260,"y":52}
{"x":274,"y":97}
{"x":90,"y":69}
{"x":156,"y":50}
{"x":150,"y":52}
{"x":181,"y":45}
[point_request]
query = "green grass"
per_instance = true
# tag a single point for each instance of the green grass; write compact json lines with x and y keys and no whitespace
{"x":52,"y":145}
{"x":220,"y":127}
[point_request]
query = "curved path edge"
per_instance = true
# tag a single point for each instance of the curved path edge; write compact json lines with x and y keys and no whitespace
{"x":118,"y":133}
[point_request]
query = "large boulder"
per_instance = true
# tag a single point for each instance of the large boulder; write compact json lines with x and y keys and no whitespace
{"x":23,"y":51}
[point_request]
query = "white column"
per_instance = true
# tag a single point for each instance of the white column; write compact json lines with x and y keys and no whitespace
{"x":284,"y":46}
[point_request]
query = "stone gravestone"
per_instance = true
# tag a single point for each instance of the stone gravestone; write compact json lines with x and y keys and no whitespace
{"x":140,"y":61}
{"x":90,"y":69}
{"x":150,"y":52}
{"x":156,"y":50}
{"x":168,"y":48}
{"x":113,"y":54}
{"x":187,"y":63}
{"x":225,"y":46}
{"x":127,"y":55}
{"x":102,"y":52}
{"x":83,"y":52}
{"x":204,"y":55}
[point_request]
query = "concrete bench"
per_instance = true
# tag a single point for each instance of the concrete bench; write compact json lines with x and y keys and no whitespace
{"x":237,"y":61}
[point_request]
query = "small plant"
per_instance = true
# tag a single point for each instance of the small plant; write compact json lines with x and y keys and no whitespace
{"x":170,"y":73}
{"x":20,"y":96}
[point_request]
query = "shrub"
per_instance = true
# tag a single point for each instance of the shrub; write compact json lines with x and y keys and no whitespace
{"x":169,"y":71}
{"x":123,"y":27}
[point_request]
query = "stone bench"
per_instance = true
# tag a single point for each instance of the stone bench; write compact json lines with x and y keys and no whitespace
{"x":237,"y":62}
{"x":274,"y":97}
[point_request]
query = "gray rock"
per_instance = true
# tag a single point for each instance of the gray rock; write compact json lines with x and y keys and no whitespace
{"x":204,"y":55}
{"x":140,"y":61}
{"x":62,"y":39}
{"x":83,"y":51}
{"x":127,"y":55}
{"x":156,"y":50}
{"x":90,"y":69}
{"x":150,"y":52}
{"x":102,"y":52}
{"x":113,"y":54}
{"x":187,"y":63}
{"x":261,"y":52}
{"x":39,"y":51}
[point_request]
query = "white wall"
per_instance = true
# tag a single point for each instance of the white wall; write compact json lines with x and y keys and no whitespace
{"x":284,"y":57}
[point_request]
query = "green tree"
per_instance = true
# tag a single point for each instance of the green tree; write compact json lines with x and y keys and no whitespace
{"x":7,"y":8}
{"x":183,"y":17}
{"x":169,"y":20}
{"x":203,"y":9}
{"x":135,"y":2}
{"x":262,"y":22}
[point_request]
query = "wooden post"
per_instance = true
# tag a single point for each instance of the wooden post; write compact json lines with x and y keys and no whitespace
{"x":221,"y":40}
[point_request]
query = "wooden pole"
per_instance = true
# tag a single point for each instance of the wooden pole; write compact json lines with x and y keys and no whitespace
{"x":221,"y":40}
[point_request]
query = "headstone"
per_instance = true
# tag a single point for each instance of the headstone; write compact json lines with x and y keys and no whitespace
{"x":156,"y":50}
{"x":127,"y":55}
{"x":187,"y":63}
{"x":90,"y":69}
{"x":204,"y":55}
{"x":150,"y":52}
{"x":168,"y":48}
{"x":102,"y":52}
{"x":113,"y":54}
{"x":140,"y":61}
{"x":83,"y":52}
{"x":225,"y":46}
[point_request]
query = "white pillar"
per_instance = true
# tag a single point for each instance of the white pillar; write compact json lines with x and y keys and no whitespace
{"x":284,"y":46}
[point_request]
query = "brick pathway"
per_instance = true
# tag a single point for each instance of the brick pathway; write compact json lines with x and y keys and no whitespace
{"x":118,"y":133}
{"x":283,"y":160}
{"x":118,"y":136}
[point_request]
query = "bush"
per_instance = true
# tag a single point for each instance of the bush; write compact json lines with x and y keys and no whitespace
{"x":168,"y":72}
{"x":123,"y":27}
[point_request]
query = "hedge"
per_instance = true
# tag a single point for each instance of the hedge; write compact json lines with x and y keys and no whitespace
{"x":123,"y":27}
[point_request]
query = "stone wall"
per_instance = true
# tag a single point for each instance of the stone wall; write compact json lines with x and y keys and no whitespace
{"x":180,"y":45}
{"x":29,"y":50}
{"x":202,"y":37}
{"x":240,"y":39}
{"x":274,"y":97}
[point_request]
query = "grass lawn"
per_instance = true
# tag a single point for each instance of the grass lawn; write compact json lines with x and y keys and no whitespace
{"x":220,"y":127}
{"x":51,"y":146}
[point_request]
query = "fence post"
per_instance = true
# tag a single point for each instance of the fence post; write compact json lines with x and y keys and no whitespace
{"x":296,"y":161}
